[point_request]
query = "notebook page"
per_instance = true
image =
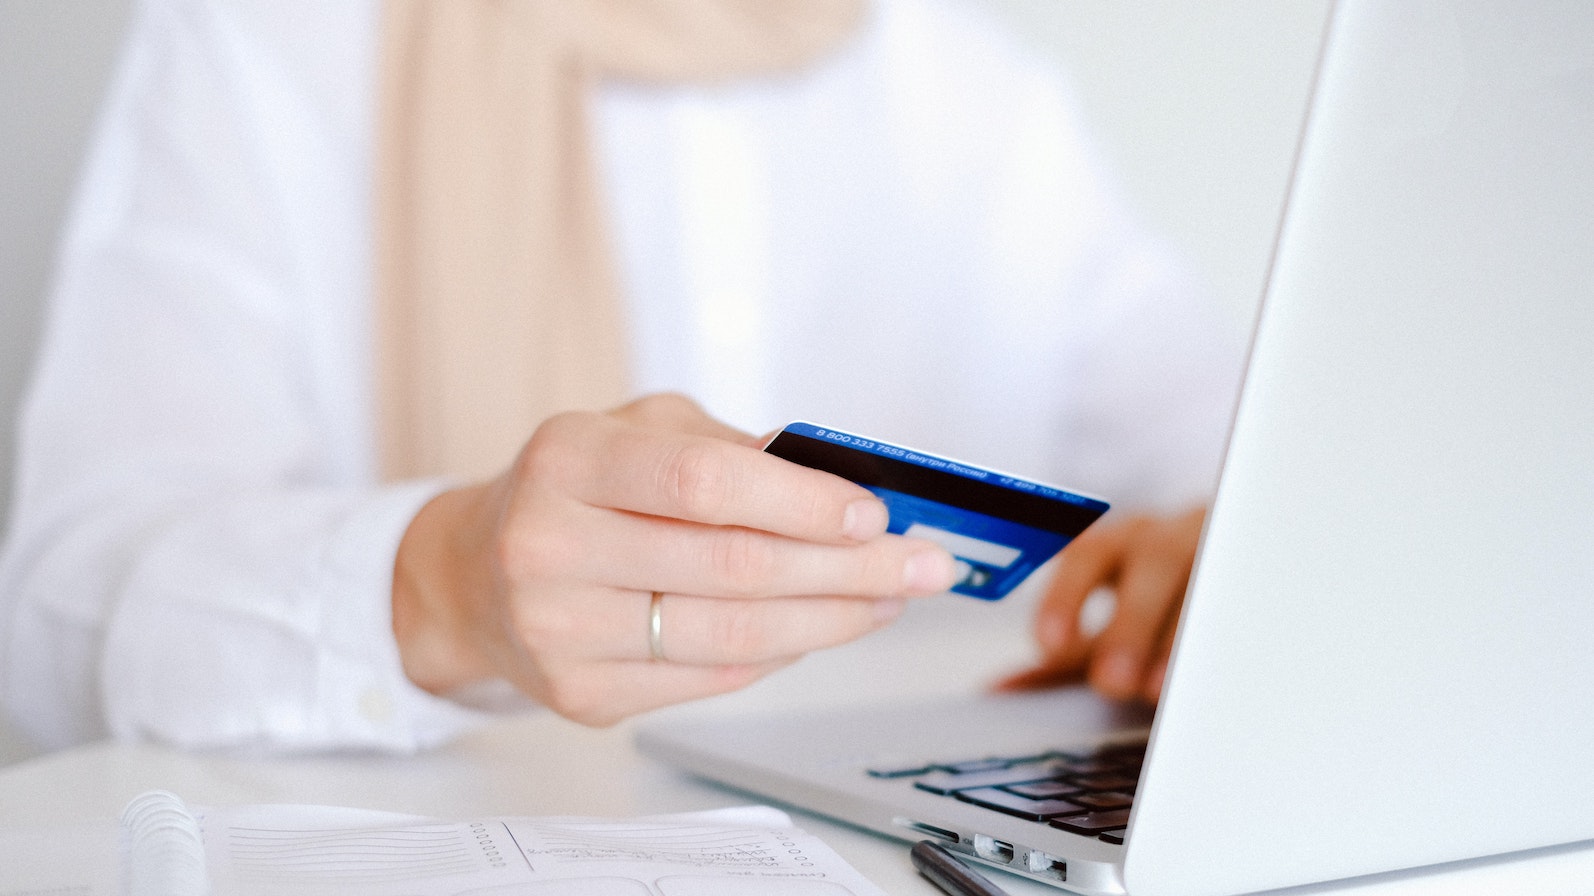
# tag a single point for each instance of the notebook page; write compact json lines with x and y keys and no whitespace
{"x":258,"y":850}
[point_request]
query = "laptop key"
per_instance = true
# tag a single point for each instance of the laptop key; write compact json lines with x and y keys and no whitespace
{"x":1049,"y":789}
{"x":977,"y":765}
{"x":1107,"y":781}
{"x":1116,"y":835}
{"x":948,"y":783}
{"x":903,"y":771}
{"x":1093,"y":823}
{"x":1104,"y":801}
{"x":1013,"y":804}
{"x":1091,"y":766}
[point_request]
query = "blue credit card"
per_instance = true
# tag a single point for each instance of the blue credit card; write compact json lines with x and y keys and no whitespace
{"x":1000,"y":528}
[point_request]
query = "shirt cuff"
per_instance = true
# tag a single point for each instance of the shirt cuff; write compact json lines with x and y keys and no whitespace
{"x":365,"y":696}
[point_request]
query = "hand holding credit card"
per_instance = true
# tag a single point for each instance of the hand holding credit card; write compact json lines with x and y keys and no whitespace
{"x":1000,"y":527}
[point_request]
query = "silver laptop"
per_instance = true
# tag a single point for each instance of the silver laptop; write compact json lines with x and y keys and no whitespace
{"x":1383,"y":661}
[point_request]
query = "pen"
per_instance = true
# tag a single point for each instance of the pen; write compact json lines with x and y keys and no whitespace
{"x":949,"y":873}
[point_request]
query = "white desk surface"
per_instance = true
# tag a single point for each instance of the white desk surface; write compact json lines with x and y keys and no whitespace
{"x":539,"y":764}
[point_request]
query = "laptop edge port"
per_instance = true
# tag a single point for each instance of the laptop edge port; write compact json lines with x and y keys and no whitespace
{"x":1043,"y":865}
{"x":993,"y":850}
{"x":929,"y":829}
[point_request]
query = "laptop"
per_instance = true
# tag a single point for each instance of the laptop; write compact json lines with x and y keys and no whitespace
{"x":1382,"y":662}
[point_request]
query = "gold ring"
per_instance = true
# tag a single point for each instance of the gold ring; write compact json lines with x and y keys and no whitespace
{"x":656,"y":627}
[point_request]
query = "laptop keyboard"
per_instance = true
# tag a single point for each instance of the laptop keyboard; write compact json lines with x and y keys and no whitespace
{"x":1086,"y":793}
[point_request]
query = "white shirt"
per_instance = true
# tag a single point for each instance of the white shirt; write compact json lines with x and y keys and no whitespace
{"x":910,"y":240}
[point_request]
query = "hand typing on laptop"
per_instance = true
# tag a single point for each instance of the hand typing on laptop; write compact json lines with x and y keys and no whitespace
{"x":645,"y":557}
{"x":1146,"y":561}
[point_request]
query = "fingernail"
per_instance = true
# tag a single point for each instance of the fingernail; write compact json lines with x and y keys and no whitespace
{"x":929,"y":571}
{"x":888,"y":609}
{"x":864,"y":519}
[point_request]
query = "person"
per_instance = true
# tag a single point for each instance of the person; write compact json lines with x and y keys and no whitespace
{"x":224,"y":533}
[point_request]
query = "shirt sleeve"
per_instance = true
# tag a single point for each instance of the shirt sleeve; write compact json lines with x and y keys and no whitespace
{"x":199,"y":551}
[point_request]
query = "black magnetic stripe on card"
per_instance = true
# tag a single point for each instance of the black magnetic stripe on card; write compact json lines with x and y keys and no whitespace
{"x":874,"y":470}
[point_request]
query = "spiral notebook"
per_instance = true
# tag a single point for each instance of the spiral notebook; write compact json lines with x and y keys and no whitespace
{"x":161,"y":847}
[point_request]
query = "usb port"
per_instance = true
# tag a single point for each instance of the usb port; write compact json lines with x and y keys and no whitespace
{"x":993,"y":850}
{"x":1043,"y":865}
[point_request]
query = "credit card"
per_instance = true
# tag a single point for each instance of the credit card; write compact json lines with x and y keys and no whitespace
{"x":1000,"y":527}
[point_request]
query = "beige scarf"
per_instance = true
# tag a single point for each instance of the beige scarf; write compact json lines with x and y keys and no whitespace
{"x":496,"y":305}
